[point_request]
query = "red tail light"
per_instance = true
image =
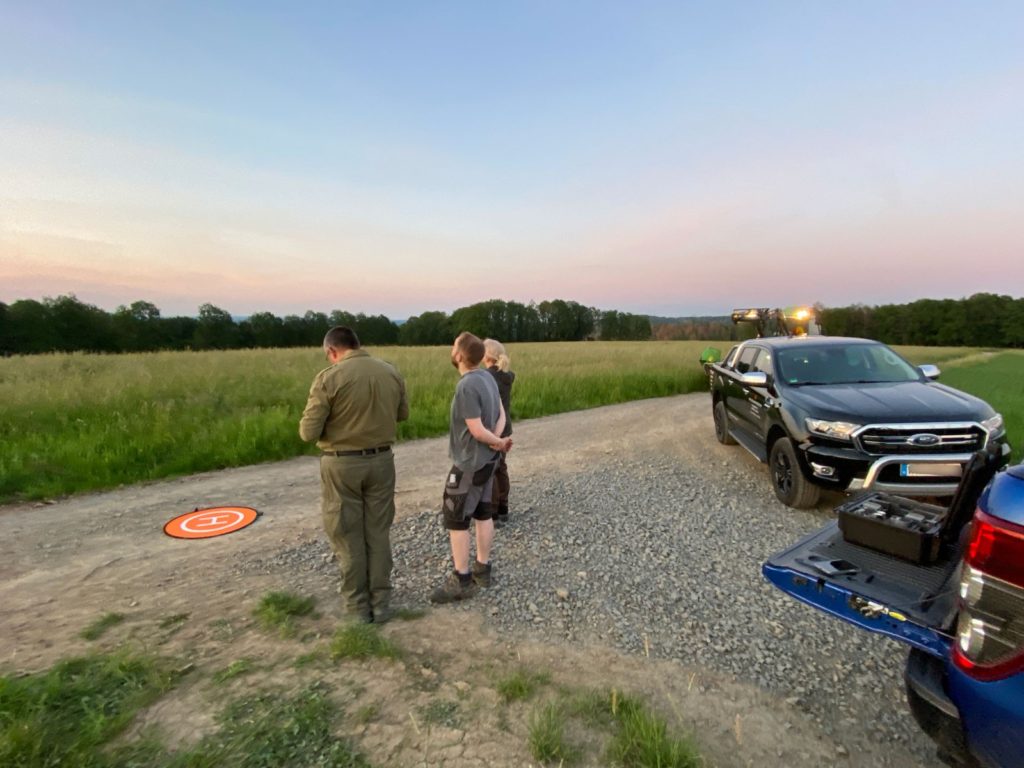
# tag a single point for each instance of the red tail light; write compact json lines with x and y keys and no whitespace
{"x":990,"y":633}
{"x":997,"y":548}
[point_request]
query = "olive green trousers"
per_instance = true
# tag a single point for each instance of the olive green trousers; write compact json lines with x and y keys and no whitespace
{"x":358,"y":505}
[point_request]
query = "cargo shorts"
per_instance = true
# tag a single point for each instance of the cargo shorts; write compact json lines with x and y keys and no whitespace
{"x":467,"y":496}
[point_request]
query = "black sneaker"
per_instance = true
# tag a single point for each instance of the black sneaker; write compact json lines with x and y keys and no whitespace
{"x":382,"y":615}
{"x":453,"y":590}
{"x":481,"y":573}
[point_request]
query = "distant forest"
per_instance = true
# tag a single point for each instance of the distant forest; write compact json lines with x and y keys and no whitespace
{"x":982,"y":320}
{"x":66,"y":324}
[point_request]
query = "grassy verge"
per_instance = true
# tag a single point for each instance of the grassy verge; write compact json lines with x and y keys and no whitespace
{"x":76,"y":713}
{"x":79,"y":422}
{"x":66,"y":715}
{"x":89,"y":711}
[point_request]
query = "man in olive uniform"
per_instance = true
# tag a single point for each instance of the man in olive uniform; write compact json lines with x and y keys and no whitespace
{"x":352,"y":414}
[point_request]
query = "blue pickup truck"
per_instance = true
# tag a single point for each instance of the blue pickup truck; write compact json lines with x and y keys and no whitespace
{"x":948,"y":583}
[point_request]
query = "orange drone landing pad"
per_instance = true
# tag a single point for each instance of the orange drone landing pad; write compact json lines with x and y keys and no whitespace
{"x":206,"y":523}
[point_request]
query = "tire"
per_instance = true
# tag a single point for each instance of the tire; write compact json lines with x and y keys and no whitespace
{"x":722,"y":425}
{"x":788,"y":481}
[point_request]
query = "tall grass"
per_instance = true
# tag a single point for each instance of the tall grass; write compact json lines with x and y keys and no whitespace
{"x":73,"y":422}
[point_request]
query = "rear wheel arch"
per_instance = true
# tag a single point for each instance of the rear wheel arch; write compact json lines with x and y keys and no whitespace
{"x":721,"y":420}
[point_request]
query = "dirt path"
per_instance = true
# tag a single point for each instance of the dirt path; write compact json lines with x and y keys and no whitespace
{"x":64,"y":564}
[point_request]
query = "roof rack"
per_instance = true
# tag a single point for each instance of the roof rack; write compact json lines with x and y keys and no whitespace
{"x":791,"y":321}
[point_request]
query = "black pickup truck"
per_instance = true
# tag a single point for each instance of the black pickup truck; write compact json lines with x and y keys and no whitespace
{"x":847,"y":414}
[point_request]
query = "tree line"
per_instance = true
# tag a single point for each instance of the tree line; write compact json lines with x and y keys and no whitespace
{"x":66,"y":324}
{"x":981,"y":320}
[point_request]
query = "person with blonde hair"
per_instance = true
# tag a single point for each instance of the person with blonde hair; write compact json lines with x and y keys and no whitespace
{"x":497,"y":362}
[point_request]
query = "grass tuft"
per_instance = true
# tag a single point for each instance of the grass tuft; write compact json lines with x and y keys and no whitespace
{"x":367,"y":714}
{"x":95,"y":630}
{"x":173,"y":622}
{"x":520,"y":685}
{"x":640,"y":737}
{"x":362,"y":641}
{"x":236,"y":668}
{"x":307,"y":659}
{"x":594,"y":708}
{"x":439,"y":712}
{"x":642,"y":740}
{"x":270,"y":729}
{"x":278,"y":610}
{"x":547,"y":736}
{"x":64,"y":716}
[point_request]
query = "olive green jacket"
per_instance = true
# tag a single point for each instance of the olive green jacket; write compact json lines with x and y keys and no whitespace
{"x":354,"y":404}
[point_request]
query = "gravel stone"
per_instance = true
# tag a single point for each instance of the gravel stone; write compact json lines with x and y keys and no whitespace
{"x":658,"y":550}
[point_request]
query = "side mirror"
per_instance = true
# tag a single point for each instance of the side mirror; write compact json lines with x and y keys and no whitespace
{"x":930,"y":371}
{"x":755,"y":379}
{"x":710,"y":355}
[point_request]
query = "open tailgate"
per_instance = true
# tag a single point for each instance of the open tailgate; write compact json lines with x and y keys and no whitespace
{"x":876,"y":591}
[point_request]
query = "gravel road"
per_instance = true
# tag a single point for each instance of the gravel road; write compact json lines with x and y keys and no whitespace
{"x":654,"y":546}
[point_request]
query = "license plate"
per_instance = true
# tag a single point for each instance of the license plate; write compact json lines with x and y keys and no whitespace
{"x":924,"y":469}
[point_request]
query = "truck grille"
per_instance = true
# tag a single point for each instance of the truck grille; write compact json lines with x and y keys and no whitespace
{"x":922,"y":438}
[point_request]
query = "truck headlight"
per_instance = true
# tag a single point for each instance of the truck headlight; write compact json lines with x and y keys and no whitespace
{"x":995,"y":424}
{"x":837,"y":430}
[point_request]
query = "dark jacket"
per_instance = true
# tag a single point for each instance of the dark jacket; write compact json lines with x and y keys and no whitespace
{"x":504,"y":380}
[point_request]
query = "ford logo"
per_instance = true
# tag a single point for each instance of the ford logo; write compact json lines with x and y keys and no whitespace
{"x":924,"y":439}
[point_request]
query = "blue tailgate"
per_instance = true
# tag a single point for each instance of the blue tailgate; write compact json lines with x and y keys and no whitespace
{"x":875,"y":591}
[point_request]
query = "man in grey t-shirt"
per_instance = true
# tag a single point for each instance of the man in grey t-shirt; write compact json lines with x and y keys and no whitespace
{"x":477,"y":420}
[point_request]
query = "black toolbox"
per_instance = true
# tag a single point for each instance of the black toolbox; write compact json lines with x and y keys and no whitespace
{"x":898,"y":526}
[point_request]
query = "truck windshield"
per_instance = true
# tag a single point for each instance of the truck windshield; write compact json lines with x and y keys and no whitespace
{"x":842,"y":364}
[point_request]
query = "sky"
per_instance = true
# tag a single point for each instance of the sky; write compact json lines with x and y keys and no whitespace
{"x":675,"y":158}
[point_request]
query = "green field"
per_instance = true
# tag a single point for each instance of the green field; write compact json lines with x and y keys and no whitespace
{"x":74,"y":422}
{"x":999,"y":380}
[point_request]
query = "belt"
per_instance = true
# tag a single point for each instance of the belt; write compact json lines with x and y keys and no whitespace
{"x":363,"y":452}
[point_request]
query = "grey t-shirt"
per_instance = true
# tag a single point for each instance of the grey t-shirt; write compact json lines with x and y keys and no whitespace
{"x":476,"y":397}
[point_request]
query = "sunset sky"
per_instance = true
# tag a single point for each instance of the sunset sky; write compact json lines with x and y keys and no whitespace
{"x":670,"y":158}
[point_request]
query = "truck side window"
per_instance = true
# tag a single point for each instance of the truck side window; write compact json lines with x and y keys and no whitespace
{"x":763,"y":363}
{"x":746,"y":361}
{"x":730,"y":358}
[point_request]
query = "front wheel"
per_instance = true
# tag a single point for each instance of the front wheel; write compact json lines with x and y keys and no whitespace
{"x":788,"y":481}
{"x":722,"y":425}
